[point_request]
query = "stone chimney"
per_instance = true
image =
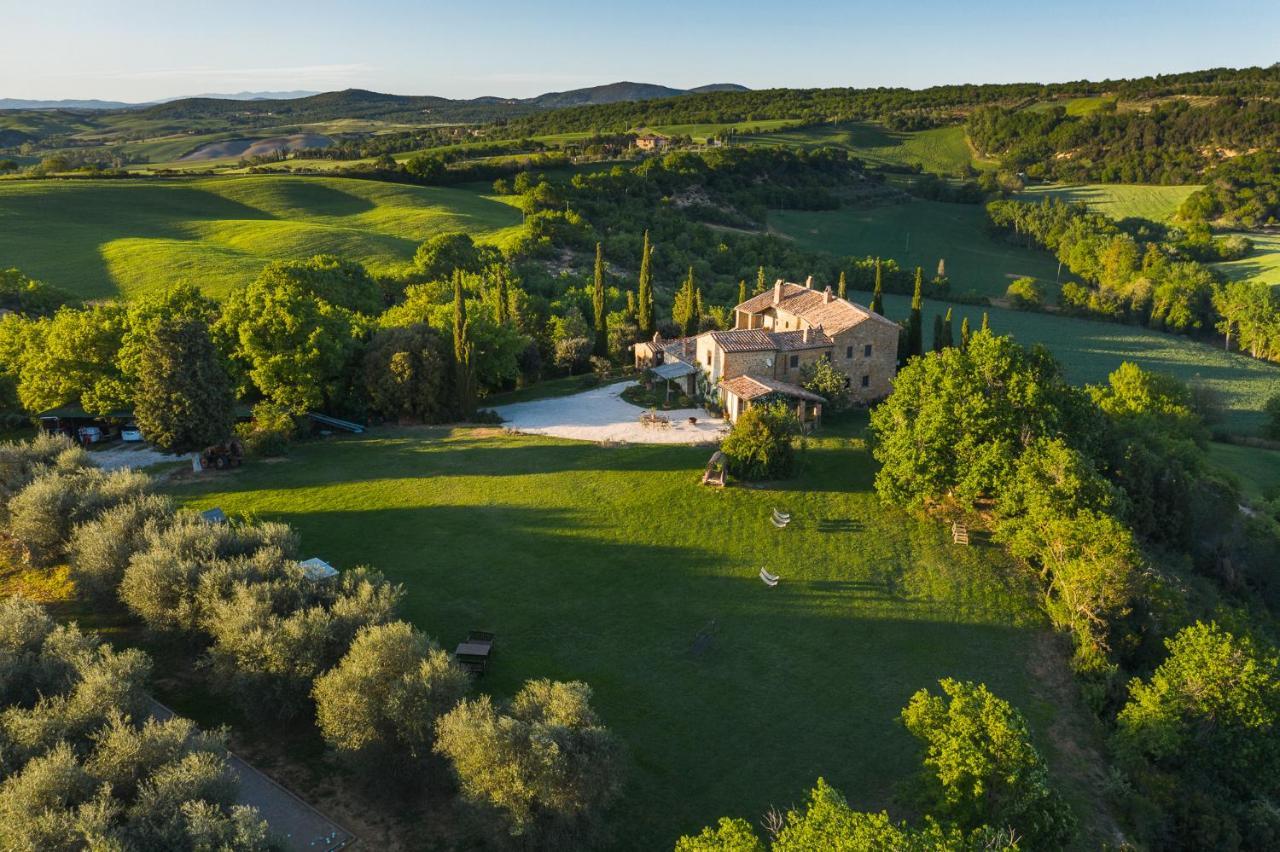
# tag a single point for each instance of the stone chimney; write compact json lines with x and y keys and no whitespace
{"x":657,"y":338}
{"x":826,"y":296}
{"x":804,"y":335}
{"x":777,"y":291}
{"x":808,"y":283}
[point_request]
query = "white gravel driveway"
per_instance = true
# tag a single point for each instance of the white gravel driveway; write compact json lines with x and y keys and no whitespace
{"x":136,"y":456}
{"x":600,"y":415}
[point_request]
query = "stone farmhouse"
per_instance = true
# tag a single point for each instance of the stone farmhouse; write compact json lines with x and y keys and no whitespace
{"x":776,"y":335}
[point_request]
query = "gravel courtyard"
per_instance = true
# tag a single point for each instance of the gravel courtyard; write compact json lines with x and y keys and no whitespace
{"x":601,"y":415}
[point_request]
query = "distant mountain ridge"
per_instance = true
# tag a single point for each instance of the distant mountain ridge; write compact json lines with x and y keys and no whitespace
{"x":361,"y":103}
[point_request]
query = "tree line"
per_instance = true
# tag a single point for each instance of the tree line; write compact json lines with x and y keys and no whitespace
{"x":1143,"y":556}
{"x":1141,"y":271}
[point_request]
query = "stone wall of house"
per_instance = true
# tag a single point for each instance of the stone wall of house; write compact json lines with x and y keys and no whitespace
{"x":880,"y":367}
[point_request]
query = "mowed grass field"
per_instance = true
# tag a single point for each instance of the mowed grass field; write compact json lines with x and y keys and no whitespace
{"x":1262,"y":264}
{"x":1257,"y":469}
{"x":604,"y":563}
{"x":942,"y":150}
{"x":1089,"y":350}
{"x":1118,"y":200}
{"x":920,"y":233}
{"x":124,"y":238}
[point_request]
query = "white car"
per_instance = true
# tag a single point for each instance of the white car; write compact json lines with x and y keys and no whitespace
{"x":131,"y":433}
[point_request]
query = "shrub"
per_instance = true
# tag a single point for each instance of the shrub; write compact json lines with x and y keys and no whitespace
{"x":1025,"y":294}
{"x":270,"y":431}
{"x":759,"y":445}
{"x":385,"y":695}
{"x":544,"y":764}
{"x":100,"y":548}
{"x":1271,"y":429}
{"x":43,"y":515}
{"x":827,"y":382}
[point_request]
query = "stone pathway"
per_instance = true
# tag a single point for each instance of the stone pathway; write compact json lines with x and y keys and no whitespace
{"x":301,"y":827}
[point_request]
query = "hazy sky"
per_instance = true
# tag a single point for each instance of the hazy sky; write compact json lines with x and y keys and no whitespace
{"x":141,"y":50}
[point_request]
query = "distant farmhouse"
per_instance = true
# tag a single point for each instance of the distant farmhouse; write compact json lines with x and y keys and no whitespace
{"x":652,"y":142}
{"x":777,"y":334}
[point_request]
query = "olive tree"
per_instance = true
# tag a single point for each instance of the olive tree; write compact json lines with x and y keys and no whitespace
{"x":385,"y":695}
{"x":544,"y":764}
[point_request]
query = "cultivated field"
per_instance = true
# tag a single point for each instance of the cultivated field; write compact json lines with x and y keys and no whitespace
{"x":108,"y":238}
{"x":1118,"y":200}
{"x":604,"y":564}
{"x":1262,"y":264}
{"x":1089,"y":350}
{"x":920,"y":233}
{"x":942,"y":150}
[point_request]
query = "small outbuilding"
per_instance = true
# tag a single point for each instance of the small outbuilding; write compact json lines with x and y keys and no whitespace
{"x":214,"y":516}
{"x":316,"y":569}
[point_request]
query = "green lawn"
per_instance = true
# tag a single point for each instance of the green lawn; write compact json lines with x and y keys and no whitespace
{"x":603,"y":564}
{"x":1257,"y":469}
{"x":920,"y":233}
{"x":1262,"y":264}
{"x":108,"y":238}
{"x":942,"y":150}
{"x":1118,"y":200}
{"x":1089,"y":350}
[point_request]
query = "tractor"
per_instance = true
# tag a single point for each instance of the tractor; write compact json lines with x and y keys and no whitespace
{"x":222,"y":456}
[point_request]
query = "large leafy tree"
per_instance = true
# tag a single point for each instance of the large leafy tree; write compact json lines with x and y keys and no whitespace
{"x":73,"y":358}
{"x":296,"y":348}
{"x":981,"y":766}
{"x":545,"y":765}
{"x":406,"y":373}
{"x":957,"y":422}
{"x":343,"y":283}
{"x":184,"y":399}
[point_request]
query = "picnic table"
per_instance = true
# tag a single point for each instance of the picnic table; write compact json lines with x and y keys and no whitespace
{"x":652,"y":418}
{"x":474,"y":653}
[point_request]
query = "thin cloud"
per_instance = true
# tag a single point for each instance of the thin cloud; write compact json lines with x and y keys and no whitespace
{"x":320,"y":72}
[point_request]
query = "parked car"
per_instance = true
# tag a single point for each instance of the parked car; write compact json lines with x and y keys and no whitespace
{"x":90,"y":435}
{"x":131,"y":433}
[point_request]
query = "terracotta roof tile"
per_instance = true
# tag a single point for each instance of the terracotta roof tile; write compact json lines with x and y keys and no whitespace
{"x":811,"y":305}
{"x":748,"y":387}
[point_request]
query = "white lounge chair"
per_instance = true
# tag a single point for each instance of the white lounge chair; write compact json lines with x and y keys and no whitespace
{"x":770,"y":580}
{"x":779,"y":519}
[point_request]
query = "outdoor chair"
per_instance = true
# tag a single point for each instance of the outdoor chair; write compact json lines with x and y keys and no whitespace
{"x":770,"y":580}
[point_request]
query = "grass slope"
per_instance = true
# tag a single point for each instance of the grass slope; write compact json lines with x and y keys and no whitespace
{"x":1090,"y":350}
{"x":108,"y":238}
{"x":1262,"y":264}
{"x":920,"y":233}
{"x":942,"y":150}
{"x":1256,"y":469}
{"x":1118,"y":200}
{"x":603,"y":564}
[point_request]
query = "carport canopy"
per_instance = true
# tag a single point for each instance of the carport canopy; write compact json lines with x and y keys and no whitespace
{"x":674,"y":370}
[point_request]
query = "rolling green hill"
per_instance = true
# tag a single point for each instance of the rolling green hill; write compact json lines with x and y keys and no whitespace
{"x":1118,"y":200}
{"x":108,"y":238}
{"x":942,"y":150}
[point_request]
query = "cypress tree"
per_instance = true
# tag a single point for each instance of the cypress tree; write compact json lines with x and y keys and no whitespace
{"x":742,"y":291}
{"x":939,"y":341}
{"x":644,"y":307}
{"x":759,"y":282}
{"x":697,"y":309}
{"x":502,"y":299}
{"x":843,"y":287}
{"x":597,"y":305}
{"x":463,"y":350}
{"x":915,"y":327}
{"x":948,"y":330}
{"x":964,"y":333}
{"x":877,"y":298}
{"x":986,"y":322}
{"x":684,"y":309}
